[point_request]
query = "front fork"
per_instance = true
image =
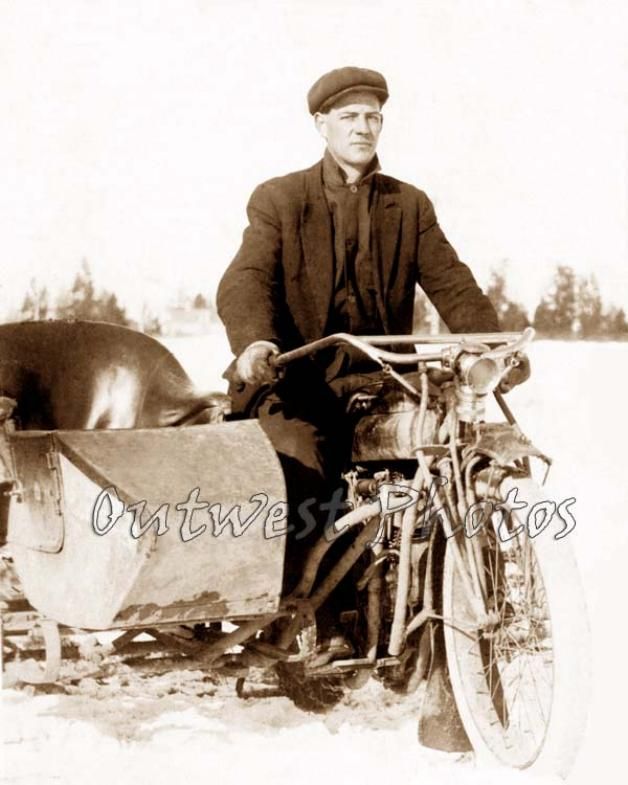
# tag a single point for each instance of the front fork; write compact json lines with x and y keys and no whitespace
{"x":452,"y":492}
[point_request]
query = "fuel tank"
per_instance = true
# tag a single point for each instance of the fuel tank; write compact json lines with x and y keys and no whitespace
{"x":389,"y":429}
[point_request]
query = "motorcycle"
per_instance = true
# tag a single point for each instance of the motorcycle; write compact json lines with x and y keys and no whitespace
{"x":461,"y":575}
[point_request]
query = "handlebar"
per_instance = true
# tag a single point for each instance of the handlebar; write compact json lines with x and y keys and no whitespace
{"x":505,"y":344}
{"x":463,"y":345}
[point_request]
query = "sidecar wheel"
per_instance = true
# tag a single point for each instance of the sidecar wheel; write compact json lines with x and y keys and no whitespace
{"x":316,"y":695}
{"x":520,"y":676}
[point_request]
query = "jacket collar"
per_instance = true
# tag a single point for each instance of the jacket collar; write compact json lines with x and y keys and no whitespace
{"x":335,"y":176}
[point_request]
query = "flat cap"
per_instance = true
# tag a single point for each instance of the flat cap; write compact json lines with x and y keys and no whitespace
{"x":345,"y":80}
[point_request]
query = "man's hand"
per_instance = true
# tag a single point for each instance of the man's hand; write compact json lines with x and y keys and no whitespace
{"x":516,"y":375}
{"x":253,"y":366}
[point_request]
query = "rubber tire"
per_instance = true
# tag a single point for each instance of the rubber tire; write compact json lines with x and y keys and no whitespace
{"x":571,"y":648}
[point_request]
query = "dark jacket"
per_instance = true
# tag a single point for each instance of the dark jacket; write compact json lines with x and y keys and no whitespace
{"x":279,"y":286}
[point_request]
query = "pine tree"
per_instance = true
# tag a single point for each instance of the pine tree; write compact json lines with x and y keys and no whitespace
{"x":589,"y":310}
{"x":200,"y":301}
{"x":614,"y":324}
{"x":556,"y":315}
{"x":110,"y":310}
{"x":82,"y":302}
{"x":35,"y":304}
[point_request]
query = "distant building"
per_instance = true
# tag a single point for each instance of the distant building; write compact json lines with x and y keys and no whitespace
{"x":183,"y":320}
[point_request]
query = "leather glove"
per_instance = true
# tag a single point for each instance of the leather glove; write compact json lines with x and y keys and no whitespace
{"x":516,"y":375}
{"x":253,"y":365}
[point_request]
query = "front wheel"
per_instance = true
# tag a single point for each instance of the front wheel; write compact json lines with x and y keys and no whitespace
{"x":516,"y":636}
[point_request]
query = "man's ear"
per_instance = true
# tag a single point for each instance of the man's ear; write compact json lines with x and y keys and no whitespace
{"x":320,"y":121}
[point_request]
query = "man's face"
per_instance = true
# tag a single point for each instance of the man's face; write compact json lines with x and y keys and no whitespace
{"x":351,"y":128}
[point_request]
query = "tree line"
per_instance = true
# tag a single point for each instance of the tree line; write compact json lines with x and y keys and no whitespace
{"x":83,"y":301}
{"x":80,"y":301}
{"x":572,"y":307}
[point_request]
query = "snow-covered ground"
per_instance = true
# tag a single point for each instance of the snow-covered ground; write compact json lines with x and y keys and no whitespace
{"x":180,"y":727}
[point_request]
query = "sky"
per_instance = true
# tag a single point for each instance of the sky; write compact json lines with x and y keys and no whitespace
{"x":132,"y":133}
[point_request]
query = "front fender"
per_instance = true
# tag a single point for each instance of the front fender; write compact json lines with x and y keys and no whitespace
{"x":503,"y":443}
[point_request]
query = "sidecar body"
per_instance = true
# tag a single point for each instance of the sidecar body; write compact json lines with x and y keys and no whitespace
{"x":140,"y":527}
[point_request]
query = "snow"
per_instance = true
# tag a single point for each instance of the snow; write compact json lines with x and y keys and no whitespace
{"x":146,"y":735}
{"x":183,"y":726}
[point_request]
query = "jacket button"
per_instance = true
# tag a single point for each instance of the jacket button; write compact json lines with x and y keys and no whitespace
{"x":353,"y":189}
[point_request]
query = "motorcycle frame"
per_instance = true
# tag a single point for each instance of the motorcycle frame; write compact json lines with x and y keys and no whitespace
{"x":301,"y":605}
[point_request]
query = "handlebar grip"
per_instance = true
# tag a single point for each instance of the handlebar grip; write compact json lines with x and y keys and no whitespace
{"x":511,"y":348}
{"x":239,"y":383}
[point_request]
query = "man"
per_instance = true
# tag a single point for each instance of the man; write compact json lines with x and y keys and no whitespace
{"x":337,"y":247}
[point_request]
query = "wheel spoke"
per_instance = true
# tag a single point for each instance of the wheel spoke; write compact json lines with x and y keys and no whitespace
{"x":514,"y":682}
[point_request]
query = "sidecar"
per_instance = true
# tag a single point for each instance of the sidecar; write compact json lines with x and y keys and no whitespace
{"x":135,"y":528}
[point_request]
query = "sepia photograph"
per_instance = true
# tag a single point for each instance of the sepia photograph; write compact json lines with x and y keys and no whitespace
{"x":313,"y":352}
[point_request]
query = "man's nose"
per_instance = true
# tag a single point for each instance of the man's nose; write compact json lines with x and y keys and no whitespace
{"x":361,"y":125}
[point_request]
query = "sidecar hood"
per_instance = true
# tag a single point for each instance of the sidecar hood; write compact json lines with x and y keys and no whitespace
{"x":82,"y":560}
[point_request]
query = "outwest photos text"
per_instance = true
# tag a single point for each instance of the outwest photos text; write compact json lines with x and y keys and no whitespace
{"x":194,"y":517}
